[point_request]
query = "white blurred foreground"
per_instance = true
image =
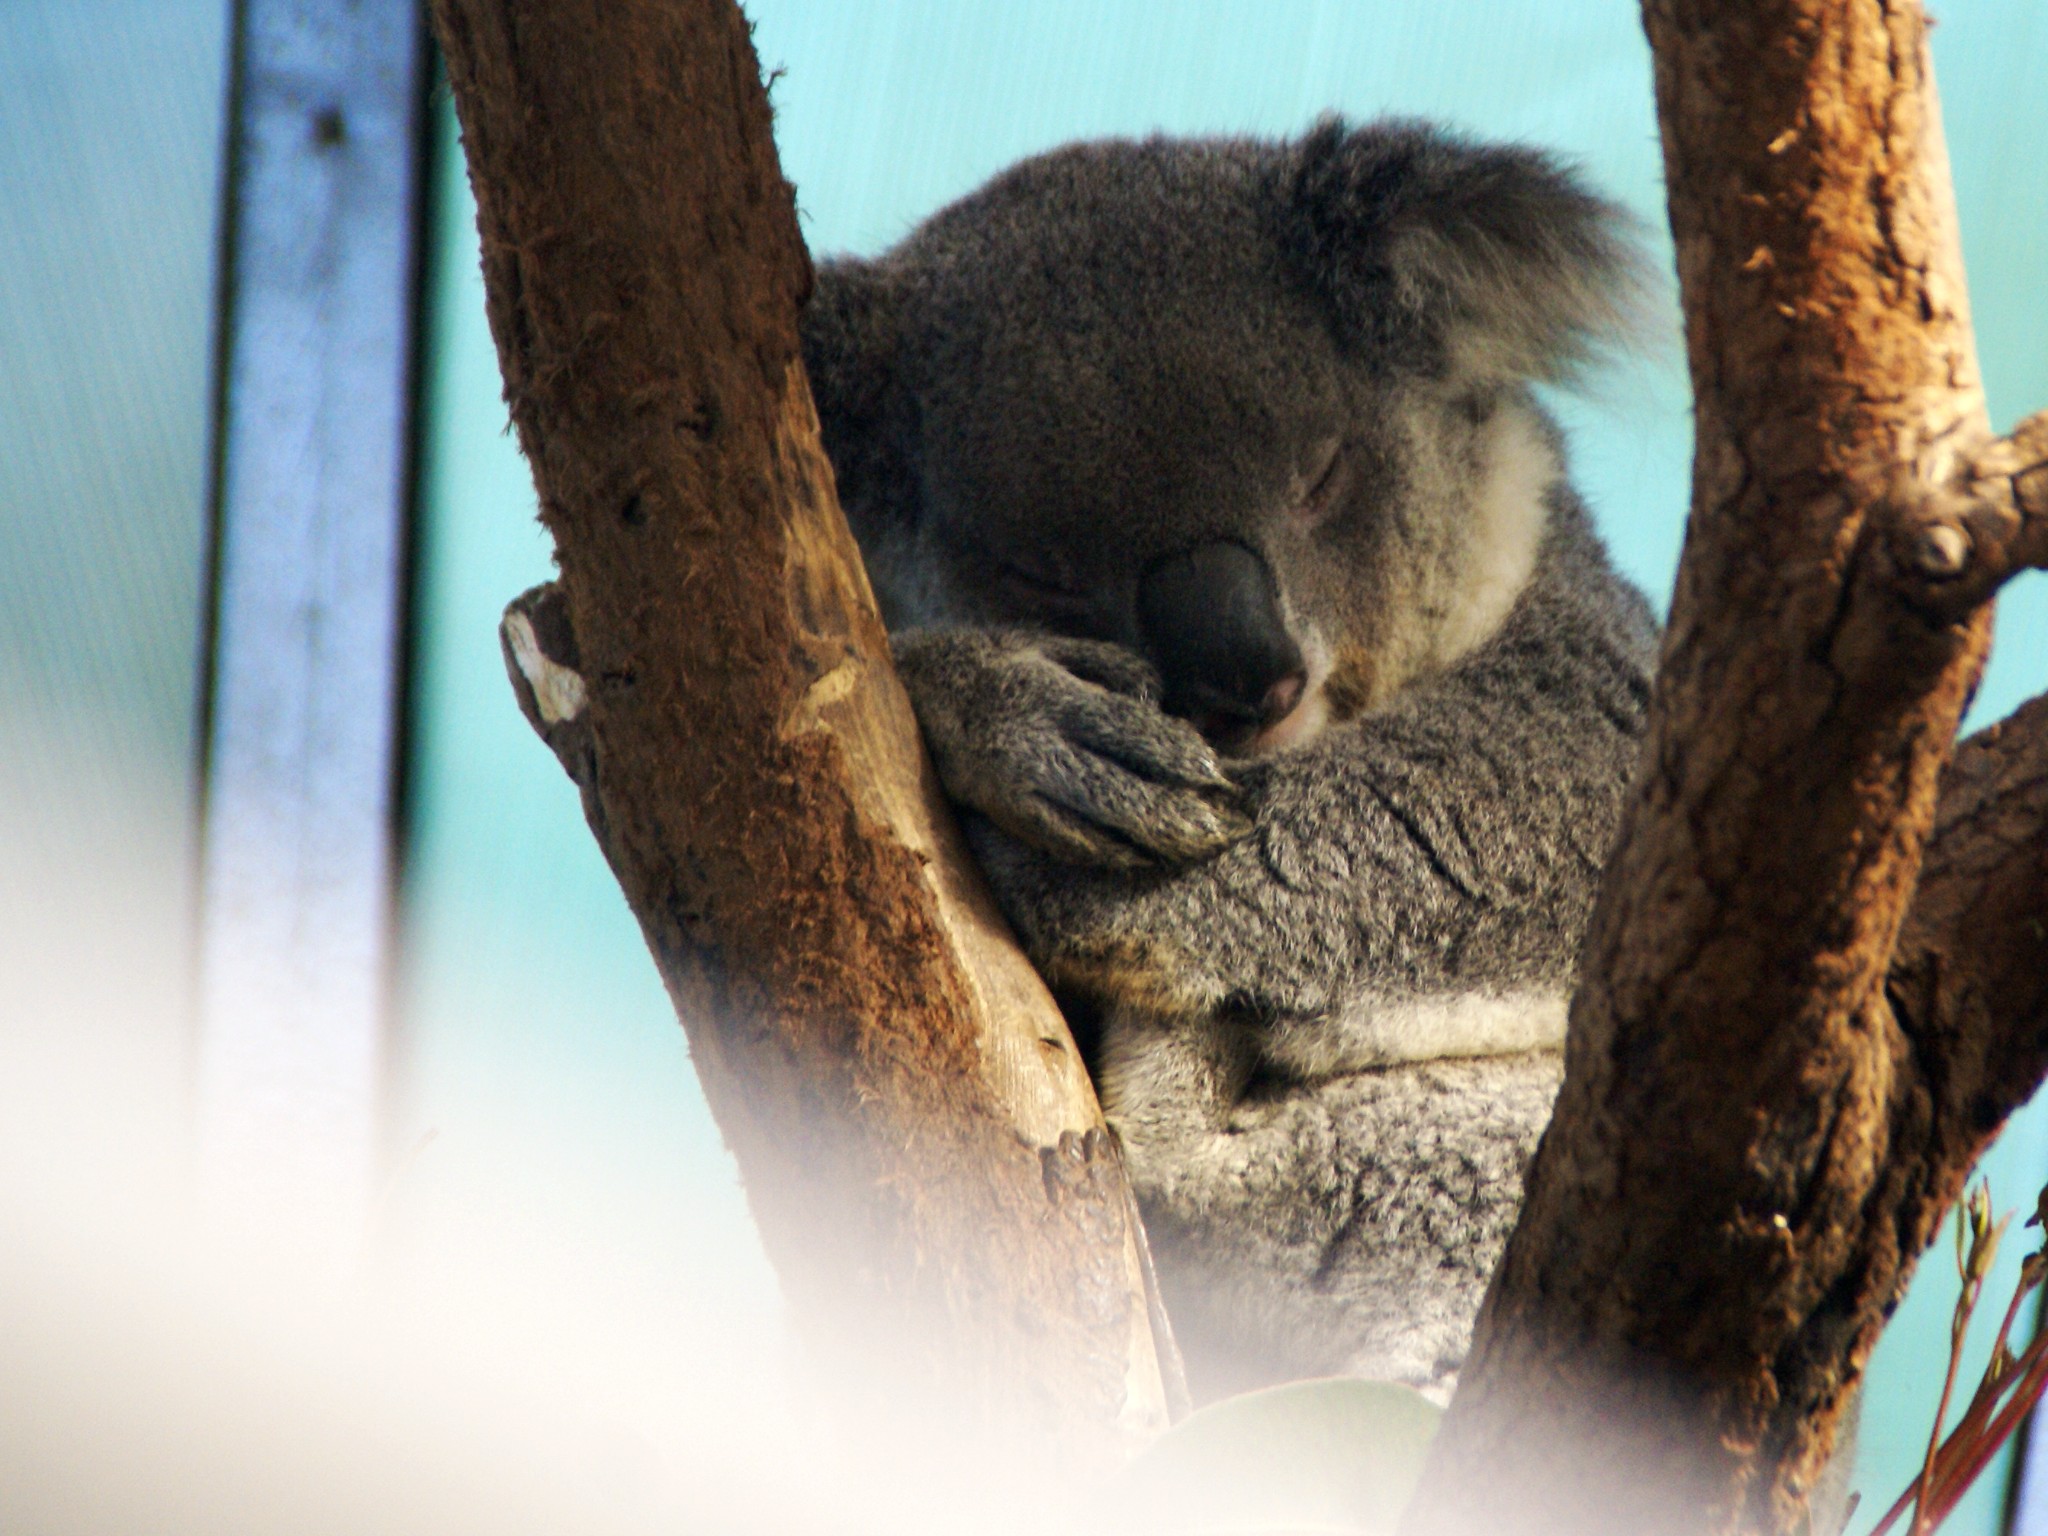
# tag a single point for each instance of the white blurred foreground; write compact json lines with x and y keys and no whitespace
{"x":510,"y":1346}
{"x":156,"y":1376}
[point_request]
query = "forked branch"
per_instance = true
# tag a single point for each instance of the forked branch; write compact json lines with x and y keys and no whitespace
{"x":1776,"y":1078}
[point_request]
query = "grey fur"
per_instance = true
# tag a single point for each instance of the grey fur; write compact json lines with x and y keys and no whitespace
{"x":1328,"y":961}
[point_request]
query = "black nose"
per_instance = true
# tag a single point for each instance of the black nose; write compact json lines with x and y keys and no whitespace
{"x":1210,"y":617}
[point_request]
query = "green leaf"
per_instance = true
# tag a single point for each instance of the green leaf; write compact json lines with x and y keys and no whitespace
{"x":1335,"y":1455}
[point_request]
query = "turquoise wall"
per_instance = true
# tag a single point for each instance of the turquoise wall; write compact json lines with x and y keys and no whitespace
{"x":111,"y":116}
{"x":532,"y":1017}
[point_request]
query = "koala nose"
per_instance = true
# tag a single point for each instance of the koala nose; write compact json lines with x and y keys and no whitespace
{"x":1210,"y":619}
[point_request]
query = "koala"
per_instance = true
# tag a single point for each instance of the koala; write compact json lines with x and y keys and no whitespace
{"x":1286,"y":691}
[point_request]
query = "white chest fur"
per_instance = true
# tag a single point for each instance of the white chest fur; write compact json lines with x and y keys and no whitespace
{"x":1377,"y":1029}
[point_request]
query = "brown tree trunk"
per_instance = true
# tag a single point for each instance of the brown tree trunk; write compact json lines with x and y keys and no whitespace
{"x":1776,"y":1080}
{"x":919,"y":1142}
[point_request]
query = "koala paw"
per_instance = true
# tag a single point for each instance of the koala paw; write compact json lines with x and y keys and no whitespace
{"x":1062,"y":743}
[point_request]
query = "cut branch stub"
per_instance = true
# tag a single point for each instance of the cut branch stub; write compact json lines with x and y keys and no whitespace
{"x":2011,"y":478}
{"x":917,"y":1136}
{"x":1955,"y":545}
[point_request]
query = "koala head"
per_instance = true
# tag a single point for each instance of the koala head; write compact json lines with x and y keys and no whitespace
{"x":1259,"y":411}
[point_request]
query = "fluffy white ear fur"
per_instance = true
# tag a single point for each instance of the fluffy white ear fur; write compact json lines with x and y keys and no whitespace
{"x":1482,"y":263}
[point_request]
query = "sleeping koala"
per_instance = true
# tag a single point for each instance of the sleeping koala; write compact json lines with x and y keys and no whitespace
{"x":1286,"y":689}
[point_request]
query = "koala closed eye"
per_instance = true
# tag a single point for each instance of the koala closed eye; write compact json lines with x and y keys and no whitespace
{"x":1325,"y":484}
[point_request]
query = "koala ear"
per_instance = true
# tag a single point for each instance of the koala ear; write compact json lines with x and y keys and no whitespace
{"x":849,"y":333}
{"x":1484,"y":262}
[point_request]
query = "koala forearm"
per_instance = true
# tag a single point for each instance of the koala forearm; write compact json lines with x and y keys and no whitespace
{"x":1296,"y":918}
{"x":1448,"y":846}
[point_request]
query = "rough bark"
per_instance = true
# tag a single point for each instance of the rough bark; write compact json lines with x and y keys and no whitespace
{"x":1756,"y":1134}
{"x":918,"y":1139}
{"x":1970,"y":974}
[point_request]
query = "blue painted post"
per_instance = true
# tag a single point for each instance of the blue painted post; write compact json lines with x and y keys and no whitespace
{"x":313,"y":470}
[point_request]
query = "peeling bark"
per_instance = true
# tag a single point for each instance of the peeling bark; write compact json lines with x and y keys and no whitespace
{"x":1775,"y":1082}
{"x":919,"y":1142}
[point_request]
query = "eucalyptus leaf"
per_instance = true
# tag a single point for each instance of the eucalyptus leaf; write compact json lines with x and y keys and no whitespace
{"x":1331,"y":1455}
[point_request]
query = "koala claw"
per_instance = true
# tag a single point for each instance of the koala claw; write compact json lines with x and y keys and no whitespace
{"x":1103,"y":664}
{"x":1102,"y":779}
{"x":1062,"y":744}
{"x":1094,"y":808}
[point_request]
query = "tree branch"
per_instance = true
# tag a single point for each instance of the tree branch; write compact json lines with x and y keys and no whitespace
{"x":919,"y":1142}
{"x":1969,"y":981}
{"x":1750,"y":1148}
{"x":1962,"y":542}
